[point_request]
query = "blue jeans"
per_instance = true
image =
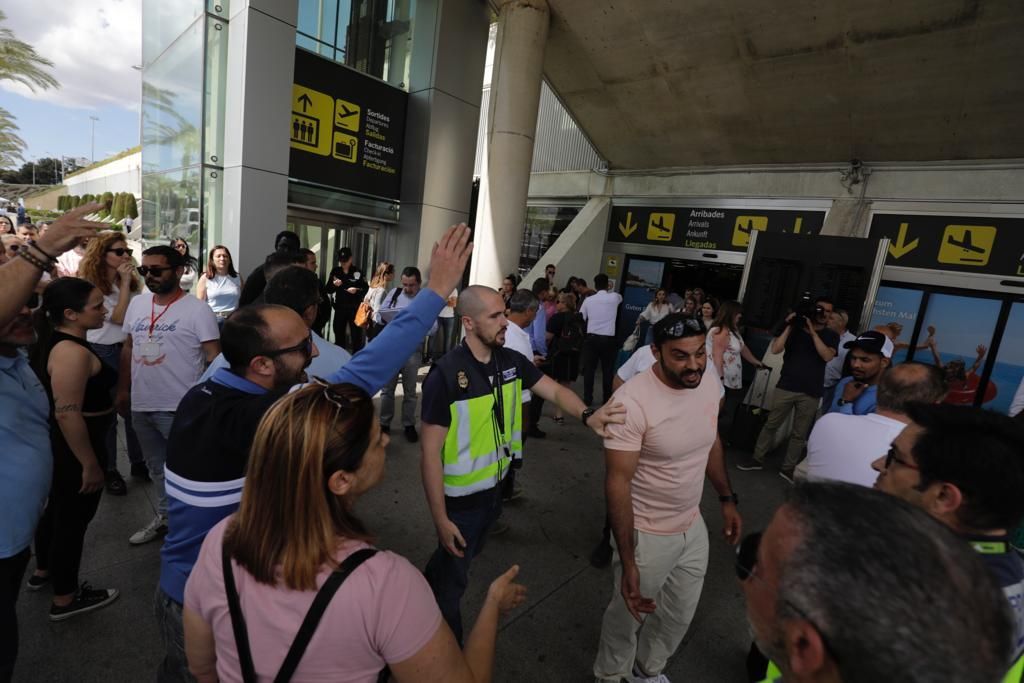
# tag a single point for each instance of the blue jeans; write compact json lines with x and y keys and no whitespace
{"x":110,"y":354}
{"x":153,"y":430}
{"x":448,"y":575}
{"x":174,"y":667}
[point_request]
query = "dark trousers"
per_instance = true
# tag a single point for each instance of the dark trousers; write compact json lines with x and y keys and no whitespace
{"x":60,"y":535}
{"x":448,"y":575}
{"x":345,"y":327}
{"x":110,"y":354}
{"x":598,"y":348}
{"x":174,"y":667}
{"x":12,"y":572}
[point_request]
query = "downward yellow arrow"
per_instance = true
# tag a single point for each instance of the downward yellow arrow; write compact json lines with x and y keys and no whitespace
{"x":630,"y":227}
{"x":900,"y":247}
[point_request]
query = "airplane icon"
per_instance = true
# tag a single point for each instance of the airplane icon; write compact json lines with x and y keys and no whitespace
{"x":967,"y":245}
{"x":660,"y":227}
{"x":659,"y":224}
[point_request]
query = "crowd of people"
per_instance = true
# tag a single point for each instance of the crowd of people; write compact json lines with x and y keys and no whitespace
{"x":890,"y":562}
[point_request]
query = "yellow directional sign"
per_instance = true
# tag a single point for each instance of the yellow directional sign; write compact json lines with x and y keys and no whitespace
{"x":630,"y":225}
{"x":661,"y":226}
{"x":967,"y":245}
{"x":346,"y":147}
{"x":312,"y":120}
{"x":346,"y":115}
{"x":900,"y":247}
{"x":745,"y":225}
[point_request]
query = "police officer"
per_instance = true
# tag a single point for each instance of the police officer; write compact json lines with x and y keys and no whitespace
{"x":348,"y":284}
{"x":472,"y":429}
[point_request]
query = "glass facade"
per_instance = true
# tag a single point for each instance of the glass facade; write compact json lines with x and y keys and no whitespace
{"x":371,"y":36}
{"x":183,"y":91}
{"x":544,"y":224}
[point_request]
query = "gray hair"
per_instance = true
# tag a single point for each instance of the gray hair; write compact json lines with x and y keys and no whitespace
{"x":896,"y":595}
{"x":523,"y":301}
{"x":910,"y":383}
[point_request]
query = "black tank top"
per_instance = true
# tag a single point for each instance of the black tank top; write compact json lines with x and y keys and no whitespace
{"x":97,"y":398}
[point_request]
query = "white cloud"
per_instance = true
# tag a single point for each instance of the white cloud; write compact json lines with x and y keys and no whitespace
{"x":93,"y":45}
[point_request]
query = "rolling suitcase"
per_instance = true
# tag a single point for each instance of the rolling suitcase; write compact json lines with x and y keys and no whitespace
{"x":752,"y":413}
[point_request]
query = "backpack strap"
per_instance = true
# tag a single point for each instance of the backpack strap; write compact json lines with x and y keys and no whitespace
{"x":394,"y":296}
{"x":309,"y":624}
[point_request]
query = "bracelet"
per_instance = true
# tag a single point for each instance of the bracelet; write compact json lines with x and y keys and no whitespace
{"x":34,"y":244}
{"x":41,"y":265}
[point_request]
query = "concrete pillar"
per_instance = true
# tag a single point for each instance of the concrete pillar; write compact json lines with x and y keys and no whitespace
{"x":449,"y":47}
{"x":260,"y":67}
{"x":512,"y":124}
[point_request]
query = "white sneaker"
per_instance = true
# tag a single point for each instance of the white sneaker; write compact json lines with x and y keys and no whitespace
{"x":638,"y":677}
{"x":150,"y":532}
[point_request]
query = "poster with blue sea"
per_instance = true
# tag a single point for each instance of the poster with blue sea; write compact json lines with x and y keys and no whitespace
{"x":897,"y":309}
{"x":1008,"y":372}
{"x":642,"y":280}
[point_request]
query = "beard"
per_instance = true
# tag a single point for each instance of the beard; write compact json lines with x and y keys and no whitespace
{"x":682,"y":380}
{"x":286,"y":377}
{"x":160,"y":286}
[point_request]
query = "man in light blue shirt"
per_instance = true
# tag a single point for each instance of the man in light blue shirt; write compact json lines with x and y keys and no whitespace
{"x":870,"y":356}
{"x":298,"y":289}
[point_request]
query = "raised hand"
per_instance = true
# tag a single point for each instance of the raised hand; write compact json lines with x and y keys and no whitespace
{"x":448,"y":260}
{"x":65,"y":232}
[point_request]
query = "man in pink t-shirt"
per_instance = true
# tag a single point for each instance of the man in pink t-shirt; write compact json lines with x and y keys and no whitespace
{"x":656,"y":463}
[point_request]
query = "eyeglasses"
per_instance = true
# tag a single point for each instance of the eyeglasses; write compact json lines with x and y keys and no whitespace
{"x":33,"y":301}
{"x":157,"y":271}
{"x":306,"y":346}
{"x":891,"y":457}
{"x":746,"y":561}
{"x":678,"y":329}
{"x":120,"y":251}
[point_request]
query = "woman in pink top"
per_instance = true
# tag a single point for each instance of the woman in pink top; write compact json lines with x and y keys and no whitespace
{"x":314,"y":453}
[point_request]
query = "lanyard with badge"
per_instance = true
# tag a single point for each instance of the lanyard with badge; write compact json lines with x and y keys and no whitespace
{"x":151,"y":349}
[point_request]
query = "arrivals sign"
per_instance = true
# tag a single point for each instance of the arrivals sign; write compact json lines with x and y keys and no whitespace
{"x":346,"y":128}
{"x":706,"y":228}
{"x":988,"y":245}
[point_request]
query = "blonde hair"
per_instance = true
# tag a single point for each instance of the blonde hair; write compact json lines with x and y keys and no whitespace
{"x":289,"y":521}
{"x":380,"y":275}
{"x":568,"y":299}
{"x":94,"y":267}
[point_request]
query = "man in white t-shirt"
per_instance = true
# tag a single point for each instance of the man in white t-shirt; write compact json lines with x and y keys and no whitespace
{"x":600,"y":310}
{"x":842,"y":447}
{"x":522,"y":309}
{"x":394,"y":301}
{"x":656,"y":464}
{"x":170,"y":338}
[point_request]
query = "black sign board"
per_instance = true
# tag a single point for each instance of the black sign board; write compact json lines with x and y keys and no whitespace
{"x":346,"y":128}
{"x":704,"y":228}
{"x":987,"y":245}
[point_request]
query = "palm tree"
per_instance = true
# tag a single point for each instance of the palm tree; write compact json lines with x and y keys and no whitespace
{"x":19,"y":62}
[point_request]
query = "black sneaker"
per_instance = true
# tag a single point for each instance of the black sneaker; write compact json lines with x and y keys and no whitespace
{"x":86,"y":599}
{"x":140,"y":471}
{"x":115,"y":484}
{"x":537,"y":434}
{"x":750,"y":465}
{"x":35,"y":582}
{"x":410,"y":434}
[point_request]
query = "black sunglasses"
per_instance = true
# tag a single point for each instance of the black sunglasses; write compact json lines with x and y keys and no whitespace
{"x":120,"y":251}
{"x":678,"y":329}
{"x":305,"y":346}
{"x":157,"y":271}
{"x":34,"y":301}
{"x":891,"y":458}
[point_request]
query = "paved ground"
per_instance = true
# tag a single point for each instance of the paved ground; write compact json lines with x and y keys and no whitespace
{"x":553,"y":637}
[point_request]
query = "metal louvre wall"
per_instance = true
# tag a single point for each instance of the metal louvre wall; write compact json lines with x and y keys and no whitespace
{"x":559,"y":144}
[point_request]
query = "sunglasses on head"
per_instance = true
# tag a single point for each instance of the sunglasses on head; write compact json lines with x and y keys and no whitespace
{"x":120,"y":251}
{"x":157,"y":271}
{"x":678,"y":329}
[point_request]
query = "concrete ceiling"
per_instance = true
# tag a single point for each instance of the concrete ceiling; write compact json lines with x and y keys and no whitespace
{"x":659,"y":83}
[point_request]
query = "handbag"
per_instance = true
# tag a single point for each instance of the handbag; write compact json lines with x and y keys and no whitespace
{"x":364,"y":314}
{"x":631,"y":341}
{"x":309,"y":624}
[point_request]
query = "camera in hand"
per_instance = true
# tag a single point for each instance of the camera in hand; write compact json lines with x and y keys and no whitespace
{"x":806,"y":309}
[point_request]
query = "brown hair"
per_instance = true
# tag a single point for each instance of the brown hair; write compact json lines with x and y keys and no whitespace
{"x":94,"y":266}
{"x":725,"y":318}
{"x":288,"y":519}
{"x":211,"y":271}
{"x":383,"y":270}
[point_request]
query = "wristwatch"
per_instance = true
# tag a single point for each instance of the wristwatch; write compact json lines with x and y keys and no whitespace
{"x":731,"y":498}
{"x":587,"y":412}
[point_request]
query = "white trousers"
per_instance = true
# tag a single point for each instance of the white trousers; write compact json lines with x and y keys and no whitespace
{"x":672,"y":570}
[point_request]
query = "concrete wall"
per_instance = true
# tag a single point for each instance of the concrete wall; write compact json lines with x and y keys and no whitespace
{"x":120,"y":175}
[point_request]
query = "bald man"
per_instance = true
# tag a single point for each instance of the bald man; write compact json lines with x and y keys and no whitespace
{"x":475,"y":392}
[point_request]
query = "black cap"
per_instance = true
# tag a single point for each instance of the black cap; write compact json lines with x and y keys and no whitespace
{"x":344,"y":254}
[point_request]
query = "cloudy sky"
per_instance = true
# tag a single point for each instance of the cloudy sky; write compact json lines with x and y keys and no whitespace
{"x":93,"y":45}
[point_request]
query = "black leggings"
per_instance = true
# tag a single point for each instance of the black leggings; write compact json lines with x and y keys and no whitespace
{"x":345,"y":328}
{"x":12,"y":571}
{"x":61,"y":531}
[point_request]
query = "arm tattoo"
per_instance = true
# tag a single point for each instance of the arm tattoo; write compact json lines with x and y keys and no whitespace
{"x":67,"y":408}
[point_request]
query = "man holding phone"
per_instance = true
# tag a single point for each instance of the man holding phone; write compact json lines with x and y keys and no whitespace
{"x":870,"y":355}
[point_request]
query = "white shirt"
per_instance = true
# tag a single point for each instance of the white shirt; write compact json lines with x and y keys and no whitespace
{"x":388,"y":312}
{"x":599,"y":310}
{"x":110,"y":333}
{"x":166,"y":365}
{"x":448,"y":311}
{"x":67,"y":263}
{"x":842,"y":447}
{"x":222,"y":292}
{"x":517,"y":339}
{"x":834,"y":368}
{"x":641,"y":359}
{"x":1018,"y":400}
